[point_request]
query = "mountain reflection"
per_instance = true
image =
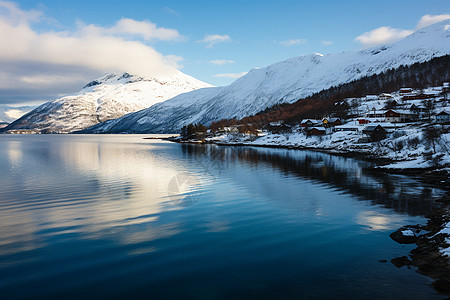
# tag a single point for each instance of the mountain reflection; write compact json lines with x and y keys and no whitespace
{"x":401,"y":193}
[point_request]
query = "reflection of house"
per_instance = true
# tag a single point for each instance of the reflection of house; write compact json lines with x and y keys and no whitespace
{"x":443,"y":117}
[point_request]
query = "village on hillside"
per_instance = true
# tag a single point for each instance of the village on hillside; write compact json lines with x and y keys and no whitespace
{"x":411,"y":127}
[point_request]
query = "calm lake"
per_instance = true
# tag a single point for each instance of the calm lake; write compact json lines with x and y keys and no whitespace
{"x":119,"y":216}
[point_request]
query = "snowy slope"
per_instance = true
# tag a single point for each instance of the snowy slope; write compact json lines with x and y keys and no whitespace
{"x":286,"y":81}
{"x":10,"y":113}
{"x":108,"y":97}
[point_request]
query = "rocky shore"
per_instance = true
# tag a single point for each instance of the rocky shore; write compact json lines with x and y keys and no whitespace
{"x":433,"y":245}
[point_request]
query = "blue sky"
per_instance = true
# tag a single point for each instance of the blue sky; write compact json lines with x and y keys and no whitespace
{"x":242,"y":35}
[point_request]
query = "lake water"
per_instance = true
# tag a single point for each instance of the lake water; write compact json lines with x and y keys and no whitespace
{"x":125,"y":217}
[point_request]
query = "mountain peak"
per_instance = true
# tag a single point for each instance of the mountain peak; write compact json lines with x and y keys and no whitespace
{"x":107,"y":97}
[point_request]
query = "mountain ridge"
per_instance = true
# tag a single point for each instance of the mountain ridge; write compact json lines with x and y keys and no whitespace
{"x":285,"y":81}
{"x":108,"y":97}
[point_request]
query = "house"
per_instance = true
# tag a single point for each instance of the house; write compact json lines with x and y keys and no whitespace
{"x":331,"y":122}
{"x":363,"y":121}
{"x":230,"y":129}
{"x":443,"y":116}
{"x":416,"y":111}
{"x":310,"y":123}
{"x":346,"y":127}
{"x":404,"y":91}
{"x":375,"y":132}
{"x":371,"y":97}
{"x":317,"y":131}
{"x":278,"y":127}
{"x":376,"y":114}
{"x":396,"y":116}
{"x":385,"y":96}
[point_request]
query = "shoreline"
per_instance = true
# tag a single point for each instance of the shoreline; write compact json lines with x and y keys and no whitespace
{"x":429,"y":175}
{"x":427,"y":257}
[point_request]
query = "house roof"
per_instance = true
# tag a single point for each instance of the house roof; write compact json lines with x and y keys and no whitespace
{"x":310,"y":120}
{"x":444,"y":112}
{"x":372,"y":127}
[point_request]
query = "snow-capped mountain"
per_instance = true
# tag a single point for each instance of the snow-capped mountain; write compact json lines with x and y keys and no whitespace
{"x":108,"y":97}
{"x":286,"y":81}
{"x":9,"y":114}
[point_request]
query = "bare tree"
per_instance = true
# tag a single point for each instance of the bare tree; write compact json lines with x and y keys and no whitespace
{"x":429,"y":108}
{"x":432,"y":136}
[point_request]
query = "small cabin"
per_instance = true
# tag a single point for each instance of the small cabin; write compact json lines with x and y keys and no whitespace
{"x":331,"y":122}
{"x":309,"y":123}
{"x":317,"y":131}
{"x":375,"y":132}
{"x":443,"y":117}
{"x":278,"y":127}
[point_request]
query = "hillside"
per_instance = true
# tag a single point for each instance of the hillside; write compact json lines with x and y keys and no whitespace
{"x":286,"y":81}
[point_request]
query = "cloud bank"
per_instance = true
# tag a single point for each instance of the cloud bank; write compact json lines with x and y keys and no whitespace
{"x":63,"y":57}
{"x":212,"y":39}
{"x":387,"y":35}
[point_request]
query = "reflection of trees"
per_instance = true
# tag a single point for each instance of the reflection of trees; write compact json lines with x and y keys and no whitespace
{"x":400,"y":193}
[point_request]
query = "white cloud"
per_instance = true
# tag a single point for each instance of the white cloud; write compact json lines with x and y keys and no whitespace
{"x":146,"y":29}
{"x":382,"y":35}
{"x":211,"y":39}
{"x":386,"y":34}
{"x":428,"y":20}
{"x":326,"y":43}
{"x":221,"y":62}
{"x":231,"y":75}
{"x":88,"y":50}
{"x":292,"y":42}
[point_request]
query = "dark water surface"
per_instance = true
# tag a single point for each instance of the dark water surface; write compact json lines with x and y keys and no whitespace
{"x":123,"y":217}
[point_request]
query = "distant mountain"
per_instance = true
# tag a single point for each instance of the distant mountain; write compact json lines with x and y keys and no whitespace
{"x":286,"y":81}
{"x":108,"y":97}
{"x":9,"y":114}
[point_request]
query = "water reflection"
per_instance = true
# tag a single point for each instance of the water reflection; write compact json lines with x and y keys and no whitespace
{"x":401,"y":193}
{"x":180,"y":221}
